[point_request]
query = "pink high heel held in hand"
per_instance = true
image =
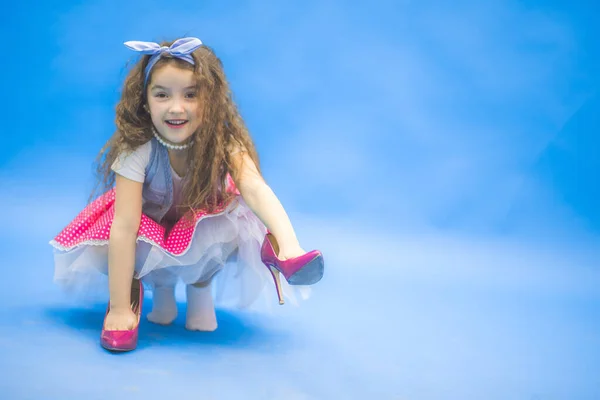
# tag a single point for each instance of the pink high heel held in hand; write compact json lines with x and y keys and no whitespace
{"x":124,"y":340}
{"x":306,"y":269}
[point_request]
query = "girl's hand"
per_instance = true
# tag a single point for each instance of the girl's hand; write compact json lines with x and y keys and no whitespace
{"x":120,"y":320}
{"x":287,"y":253}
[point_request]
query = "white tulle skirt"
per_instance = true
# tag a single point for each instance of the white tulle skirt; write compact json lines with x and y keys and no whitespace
{"x":224,"y":246}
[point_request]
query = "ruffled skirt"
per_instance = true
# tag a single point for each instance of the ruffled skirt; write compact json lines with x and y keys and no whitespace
{"x":224,"y":245}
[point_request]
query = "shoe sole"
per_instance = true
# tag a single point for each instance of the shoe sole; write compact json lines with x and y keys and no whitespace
{"x":311,"y":273}
{"x":116,"y":350}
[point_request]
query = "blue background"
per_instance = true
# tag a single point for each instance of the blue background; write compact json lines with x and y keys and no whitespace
{"x":443,"y":156}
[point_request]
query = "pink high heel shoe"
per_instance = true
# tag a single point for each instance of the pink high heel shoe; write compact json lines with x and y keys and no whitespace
{"x":306,"y":269}
{"x":125,"y":340}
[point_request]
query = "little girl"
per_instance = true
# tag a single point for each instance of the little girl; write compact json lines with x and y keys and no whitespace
{"x":183,"y":199}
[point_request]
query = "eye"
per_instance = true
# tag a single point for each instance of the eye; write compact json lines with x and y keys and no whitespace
{"x":190,"y":95}
{"x":160,"y":95}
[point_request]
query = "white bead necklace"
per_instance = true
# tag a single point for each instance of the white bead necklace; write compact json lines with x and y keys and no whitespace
{"x":168,"y":145}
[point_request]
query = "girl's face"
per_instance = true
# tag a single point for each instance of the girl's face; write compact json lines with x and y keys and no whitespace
{"x":173,"y":103}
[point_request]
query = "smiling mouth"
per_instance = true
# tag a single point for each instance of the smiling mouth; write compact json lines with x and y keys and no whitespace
{"x":176,"y":123}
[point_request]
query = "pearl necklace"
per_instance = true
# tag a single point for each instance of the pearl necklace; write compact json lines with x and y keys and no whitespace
{"x":168,"y":145}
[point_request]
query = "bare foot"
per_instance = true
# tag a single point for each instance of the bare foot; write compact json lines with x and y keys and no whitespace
{"x":120,"y":320}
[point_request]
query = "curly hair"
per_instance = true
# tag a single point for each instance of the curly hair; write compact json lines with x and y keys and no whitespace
{"x":221,"y":126}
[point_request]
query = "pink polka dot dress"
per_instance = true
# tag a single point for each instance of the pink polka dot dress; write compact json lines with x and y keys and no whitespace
{"x":224,"y":245}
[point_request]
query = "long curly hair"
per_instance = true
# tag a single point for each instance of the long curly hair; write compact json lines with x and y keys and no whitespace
{"x":221,"y":126}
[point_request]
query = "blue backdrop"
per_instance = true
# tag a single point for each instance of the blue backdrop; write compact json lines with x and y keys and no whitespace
{"x":443,"y":156}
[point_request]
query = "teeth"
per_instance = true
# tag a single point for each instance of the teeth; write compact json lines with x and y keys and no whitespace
{"x":176,"y":122}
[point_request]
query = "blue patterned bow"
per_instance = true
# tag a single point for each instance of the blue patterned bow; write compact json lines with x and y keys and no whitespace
{"x":181,"y":48}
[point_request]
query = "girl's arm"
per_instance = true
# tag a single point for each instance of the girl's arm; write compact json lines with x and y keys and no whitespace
{"x":122,"y":241}
{"x":263,"y":202}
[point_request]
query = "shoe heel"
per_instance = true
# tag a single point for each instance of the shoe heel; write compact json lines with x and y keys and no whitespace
{"x":276,"y":279}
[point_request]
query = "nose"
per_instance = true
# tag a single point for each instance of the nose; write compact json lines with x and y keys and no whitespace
{"x":176,"y":106}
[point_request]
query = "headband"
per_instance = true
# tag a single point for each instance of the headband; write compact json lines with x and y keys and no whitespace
{"x":181,"y":48}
